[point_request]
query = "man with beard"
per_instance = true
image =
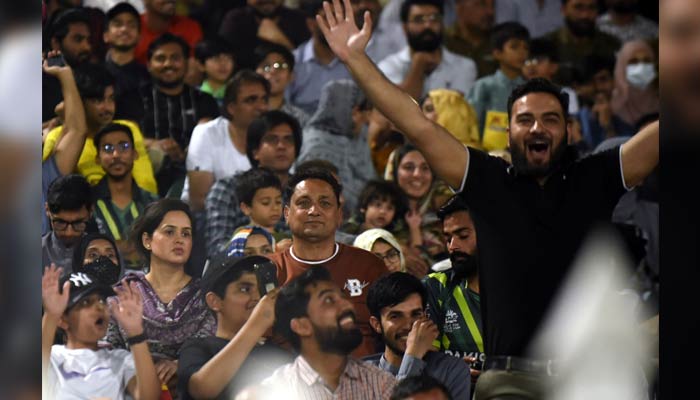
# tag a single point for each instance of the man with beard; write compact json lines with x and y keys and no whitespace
{"x":118,"y":198}
{"x":313,"y":213}
{"x":315,"y":63}
{"x":579,"y":38}
{"x":531,"y":217}
{"x":397,"y":304}
{"x":68,"y":33}
{"x":262,"y":21}
{"x":122,"y":35}
{"x":172,"y":109}
{"x":69,"y":207}
{"x":454,"y":303}
{"x":425,"y":64}
{"x":624,"y":22}
{"x":316,"y":317}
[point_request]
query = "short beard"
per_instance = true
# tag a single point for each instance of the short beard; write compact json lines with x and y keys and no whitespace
{"x":521,"y":165}
{"x":337,"y":340}
{"x":580,"y":29}
{"x":391,"y":346}
{"x":464,"y":265}
{"x":427,"y":41}
{"x":122,"y":177}
{"x":123,"y":48}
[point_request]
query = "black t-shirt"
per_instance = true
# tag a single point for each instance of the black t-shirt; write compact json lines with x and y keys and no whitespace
{"x":259,"y":364}
{"x":51,"y":95}
{"x":529,"y":235}
{"x":128,"y":79}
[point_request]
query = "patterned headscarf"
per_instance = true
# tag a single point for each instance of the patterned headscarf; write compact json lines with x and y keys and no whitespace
{"x":236,"y":246}
{"x":366,"y":240}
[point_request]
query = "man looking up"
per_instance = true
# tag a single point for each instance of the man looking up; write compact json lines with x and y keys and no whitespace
{"x":531,"y":217}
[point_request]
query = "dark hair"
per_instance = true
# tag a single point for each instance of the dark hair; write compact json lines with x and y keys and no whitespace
{"x":382,"y":191}
{"x":452,"y":205}
{"x":92,"y":80}
{"x":243,"y":77}
{"x":112,"y":127}
{"x":505,"y":31}
{"x":152,"y":216}
{"x":406,"y":388}
{"x":264,"y":124}
{"x":60,"y":23}
{"x":594,"y":64}
{"x":69,"y":193}
{"x":400,"y":154}
{"x":82,"y":246}
{"x":390,"y":290}
{"x":540,"y":48}
{"x":211,"y":47}
{"x":540,"y":85}
{"x":407,"y":4}
{"x":235,"y":269}
{"x":168,"y":38}
{"x":266,"y":48}
{"x":310,"y":7}
{"x":318,"y":163}
{"x":250,"y":181}
{"x":312,"y":173}
{"x":293,"y":302}
{"x":121,"y":8}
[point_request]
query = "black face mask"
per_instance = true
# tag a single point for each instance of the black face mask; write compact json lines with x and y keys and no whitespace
{"x":103,"y":269}
{"x":464,"y":265}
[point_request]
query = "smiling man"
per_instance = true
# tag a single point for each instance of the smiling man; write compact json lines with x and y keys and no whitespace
{"x":313,"y":214}
{"x":531,"y":217}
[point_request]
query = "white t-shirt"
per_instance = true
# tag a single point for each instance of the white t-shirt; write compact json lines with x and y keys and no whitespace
{"x":87,"y":374}
{"x":212,"y":150}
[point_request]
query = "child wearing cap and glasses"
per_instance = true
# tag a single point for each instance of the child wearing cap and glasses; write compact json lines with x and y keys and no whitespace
{"x":80,"y":368}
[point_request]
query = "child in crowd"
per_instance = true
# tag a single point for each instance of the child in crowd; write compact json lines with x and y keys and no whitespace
{"x":215,"y":60}
{"x":237,"y":356}
{"x":250,"y":241}
{"x":80,"y":368}
{"x":489,"y":95}
{"x":260,"y":193}
{"x":380,"y":205}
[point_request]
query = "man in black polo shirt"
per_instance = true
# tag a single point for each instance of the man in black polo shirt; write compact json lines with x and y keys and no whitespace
{"x":531,"y":217}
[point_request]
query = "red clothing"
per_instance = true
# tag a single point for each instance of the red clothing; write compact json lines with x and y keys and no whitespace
{"x":353,"y":270}
{"x":185,"y":27}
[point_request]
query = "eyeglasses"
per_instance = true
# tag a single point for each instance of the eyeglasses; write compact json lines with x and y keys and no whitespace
{"x":391,"y":256}
{"x":274,"y":140}
{"x":61,"y":225}
{"x":428,"y":18}
{"x":121,"y":147}
{"x":275,"y":67}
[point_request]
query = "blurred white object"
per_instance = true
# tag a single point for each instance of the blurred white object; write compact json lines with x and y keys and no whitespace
{"x":441,"y":266}
{"x":592,"y":329}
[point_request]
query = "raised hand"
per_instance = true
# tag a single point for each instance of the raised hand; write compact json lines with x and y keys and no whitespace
{"x":127,"y":308}
{"x":263,"y":315}
{"x":341,"y":32}
{"x":55,"y":302}
{"x":420,"y":339}
{"x":57,"y":71}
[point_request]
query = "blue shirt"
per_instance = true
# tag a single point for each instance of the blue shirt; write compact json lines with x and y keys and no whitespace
{"x":310,"y":76}
{"x":491,"y":93}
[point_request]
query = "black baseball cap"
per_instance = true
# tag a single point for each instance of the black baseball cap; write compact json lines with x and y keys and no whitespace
{"x":83,"y":284}
{"x":221,"y":271}
{"x":123,"y":7}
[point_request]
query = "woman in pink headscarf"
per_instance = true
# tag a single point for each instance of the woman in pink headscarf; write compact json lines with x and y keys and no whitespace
{"x":635,"y":93}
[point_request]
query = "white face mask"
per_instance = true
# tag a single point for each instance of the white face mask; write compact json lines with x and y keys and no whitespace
{"x":640,"y":75}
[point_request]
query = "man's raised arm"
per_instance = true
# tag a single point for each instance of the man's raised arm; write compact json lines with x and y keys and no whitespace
{"x":640,"y":155}
{"x":445,"y":154}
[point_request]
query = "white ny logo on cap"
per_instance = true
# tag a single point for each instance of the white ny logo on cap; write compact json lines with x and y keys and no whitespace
{"x":80,"y":279}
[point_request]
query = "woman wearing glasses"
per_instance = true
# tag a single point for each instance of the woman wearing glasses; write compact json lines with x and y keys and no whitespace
{"x":382,"y":244}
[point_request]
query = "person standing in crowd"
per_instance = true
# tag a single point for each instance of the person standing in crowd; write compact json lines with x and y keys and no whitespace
{"x":425,"y":64}
{"x":470,"y":34}
{"x":381,"y":204}
{"x":526,"y":241}
{"x":313,"y":213}
{"x":636,"y":87}
{"x":173,"y":303}
{"x":172,"y":109}
{"x":260,"y":193}
{"x":316,"y":317}
{"x":216,"y":62}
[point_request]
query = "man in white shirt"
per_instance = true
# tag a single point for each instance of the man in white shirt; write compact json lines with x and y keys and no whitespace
{"x":425,"y":64}
{"x":218,"y":148}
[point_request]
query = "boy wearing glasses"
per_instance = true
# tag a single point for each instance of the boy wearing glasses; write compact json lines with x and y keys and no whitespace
{"x":119,"y":200}
{"x":68,"y":207}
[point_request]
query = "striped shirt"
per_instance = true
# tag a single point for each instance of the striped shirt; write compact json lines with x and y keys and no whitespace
{"x":359,"y":381}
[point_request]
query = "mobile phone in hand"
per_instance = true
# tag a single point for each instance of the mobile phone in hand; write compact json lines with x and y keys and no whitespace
{"x":266,"y":273}
{"x":56,"y":61}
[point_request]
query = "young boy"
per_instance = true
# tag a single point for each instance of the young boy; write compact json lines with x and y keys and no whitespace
{"x":260,"y":193}
{"x":220,"y":366}
{"x":379,"y":203}
{"x":215,"y":61}
{"x":81,"y":369}
{"x":489,"y":95}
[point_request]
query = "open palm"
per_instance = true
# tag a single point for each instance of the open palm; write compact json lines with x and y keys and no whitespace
{"x":341,"y":32}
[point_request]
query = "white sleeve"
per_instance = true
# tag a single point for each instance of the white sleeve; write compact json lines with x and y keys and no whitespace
{"x":391,"y":67}
{"x":199,"y":153}
{"x":128,"y":367}
{"x":466,"y":171}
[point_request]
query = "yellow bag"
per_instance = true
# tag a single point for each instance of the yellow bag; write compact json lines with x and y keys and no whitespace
{"x":495,"y":131}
